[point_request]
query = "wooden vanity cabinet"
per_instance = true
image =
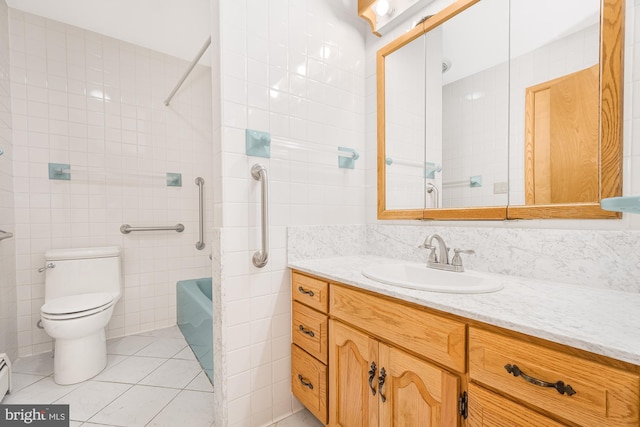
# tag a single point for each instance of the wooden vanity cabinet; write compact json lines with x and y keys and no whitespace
{"x":487,"y":409}
{"x":568,"y":387}
{"x":375,"y":382}
{"x":443,"y":370}
{"x":309,"y":332}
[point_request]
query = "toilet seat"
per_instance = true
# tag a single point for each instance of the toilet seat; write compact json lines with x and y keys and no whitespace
{"x":74,"y":306}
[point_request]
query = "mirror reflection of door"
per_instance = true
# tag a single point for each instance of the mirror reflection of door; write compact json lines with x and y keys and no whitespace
{"x":561,"y":136}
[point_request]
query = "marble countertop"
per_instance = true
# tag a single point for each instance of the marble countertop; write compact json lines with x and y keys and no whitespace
{"x":601,"y":321}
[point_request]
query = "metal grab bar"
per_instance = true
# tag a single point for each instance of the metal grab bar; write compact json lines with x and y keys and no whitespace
{"x":5,"y":235}
{"x":126,"y":228}
{"x":200,"y":183}
{"x":259,"y":173}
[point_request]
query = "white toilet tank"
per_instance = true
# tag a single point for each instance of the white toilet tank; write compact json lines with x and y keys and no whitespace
{"x":83,"y":270}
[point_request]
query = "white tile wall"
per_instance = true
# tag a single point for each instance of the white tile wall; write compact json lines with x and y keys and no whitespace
{"x":475,"y":138}
{"x":97,"y":103}
{"x":405,"y":126}
{"x":295,"y":69}
{"x":8,"y":291}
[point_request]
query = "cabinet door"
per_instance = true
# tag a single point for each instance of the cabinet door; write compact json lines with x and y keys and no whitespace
{"x":415,"y":393}
{"x":351,"y":355}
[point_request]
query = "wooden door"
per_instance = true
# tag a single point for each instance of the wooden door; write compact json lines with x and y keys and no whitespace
{"x":562,"y":139}
{"x":415,"y":393}
{"x":352,"y":402}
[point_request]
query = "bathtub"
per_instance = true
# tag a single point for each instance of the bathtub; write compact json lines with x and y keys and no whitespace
{"x":195,"y":319}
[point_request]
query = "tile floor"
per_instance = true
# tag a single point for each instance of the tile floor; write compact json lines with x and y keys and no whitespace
{"x":151,"y":379}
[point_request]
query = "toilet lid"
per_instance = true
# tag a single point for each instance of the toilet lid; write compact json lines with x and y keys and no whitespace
{"x":77,"y":303}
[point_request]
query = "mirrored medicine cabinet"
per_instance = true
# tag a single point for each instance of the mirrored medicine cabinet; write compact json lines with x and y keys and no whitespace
{"x":502,"y":109}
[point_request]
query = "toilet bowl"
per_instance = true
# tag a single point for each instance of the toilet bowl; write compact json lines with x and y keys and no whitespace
{"x":82,"y":287}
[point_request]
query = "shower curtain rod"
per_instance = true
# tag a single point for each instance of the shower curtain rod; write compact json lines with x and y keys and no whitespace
{"x":201,"y":52}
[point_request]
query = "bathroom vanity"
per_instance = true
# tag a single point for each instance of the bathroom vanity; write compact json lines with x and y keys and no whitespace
{"x":533,"y":354}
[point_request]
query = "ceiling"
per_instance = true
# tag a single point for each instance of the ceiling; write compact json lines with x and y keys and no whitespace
{"x":177,"y":28}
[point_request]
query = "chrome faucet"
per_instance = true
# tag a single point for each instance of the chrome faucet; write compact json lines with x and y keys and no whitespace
{"x":441,"y":262}
{"x":444,"y":251}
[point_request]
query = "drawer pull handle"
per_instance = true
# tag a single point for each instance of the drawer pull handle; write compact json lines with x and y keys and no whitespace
{"x":560,"y":386}
{"x":372,"y":375}
{"x":304,"y":291}
{"x":305,"y":382}
{"x":306,"y":331}
{"x":381,"y":379}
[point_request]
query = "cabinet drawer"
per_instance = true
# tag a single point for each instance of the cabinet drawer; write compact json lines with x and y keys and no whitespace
{"x":434,"y":337}
{"x":309,"y":382}
{"x":309,"y":331}
{"x":310,"y":291}
{"x":604,"y":396}
{"x":487,"y":409}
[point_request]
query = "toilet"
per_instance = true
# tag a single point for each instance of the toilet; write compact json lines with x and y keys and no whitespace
{"x":82,"y":287}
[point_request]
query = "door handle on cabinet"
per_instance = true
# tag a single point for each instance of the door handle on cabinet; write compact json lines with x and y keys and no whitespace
{"x":372,"y":375}
{"x":306,"y":331}
{"x":305,"y":382}
{"x":560,"y":386}
{"x":304,"y":291}
{"x":381,"y":379}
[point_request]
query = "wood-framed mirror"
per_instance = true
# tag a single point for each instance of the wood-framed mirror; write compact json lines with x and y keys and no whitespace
{"x":526,"y":160}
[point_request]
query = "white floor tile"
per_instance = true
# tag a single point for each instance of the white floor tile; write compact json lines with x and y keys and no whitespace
{"x":39,"y":364}
{"x":186,"y":354}
{"x":20,"y":381}
{"x":189,"y":408}
{"x":112,"y":398}
{"x":131,"y":370}
{"x":92,"y":396}
{"x":128,"y":345}
{"x":113,"y":360}
{"x":163,"y":347}
{"x":299,"y":419}
{"x":173,"y":373}
{"x":42,"y":392}
{"x":136,"y":407}
{"x":171,"y":332}
{"x":200,"y":383}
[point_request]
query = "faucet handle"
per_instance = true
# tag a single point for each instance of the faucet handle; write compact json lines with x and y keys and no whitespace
{"x":457,"y":259}
{"x":464,"y":251}
{"x":432,"y":255}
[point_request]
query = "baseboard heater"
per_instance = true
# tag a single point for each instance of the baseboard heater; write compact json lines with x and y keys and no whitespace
{"x":5,"y":375}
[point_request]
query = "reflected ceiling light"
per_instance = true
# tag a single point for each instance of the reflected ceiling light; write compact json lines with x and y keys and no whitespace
{"x":382,"y":7}
{"x":325,"y":52}
{"x":474,"y":95}
{"x":302,"y":70}
{"x":97,"y":93}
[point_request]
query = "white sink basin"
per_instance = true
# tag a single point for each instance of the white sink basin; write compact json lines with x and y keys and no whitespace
{"x":419,"y":276}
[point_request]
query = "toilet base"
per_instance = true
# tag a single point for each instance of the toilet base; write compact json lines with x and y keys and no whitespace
{"x":79,"y":359}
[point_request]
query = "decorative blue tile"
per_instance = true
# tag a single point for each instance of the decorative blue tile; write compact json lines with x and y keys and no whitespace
{"x":345,"y":162}
{"x":258,"y":143}
{"x":59,"y":171}
{"x":174,"y":179}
